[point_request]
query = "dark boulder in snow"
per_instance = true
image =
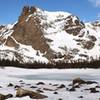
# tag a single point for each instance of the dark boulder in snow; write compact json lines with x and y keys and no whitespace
{"x":3,"y":97}
{"x":34,"y":95}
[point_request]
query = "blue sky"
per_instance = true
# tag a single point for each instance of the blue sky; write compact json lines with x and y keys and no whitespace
{"x":87,"y":10}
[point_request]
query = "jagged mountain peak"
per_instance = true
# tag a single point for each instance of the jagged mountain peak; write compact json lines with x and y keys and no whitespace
{"x":45,"y":36}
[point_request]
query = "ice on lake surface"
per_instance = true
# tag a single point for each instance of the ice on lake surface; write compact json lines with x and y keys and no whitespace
{"x":61,"y":75}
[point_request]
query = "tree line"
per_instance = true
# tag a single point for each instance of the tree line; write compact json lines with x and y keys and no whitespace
{"x":59,"y":65}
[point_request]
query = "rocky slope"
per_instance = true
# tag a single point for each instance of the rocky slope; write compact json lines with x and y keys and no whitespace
{"x":49,"y":37}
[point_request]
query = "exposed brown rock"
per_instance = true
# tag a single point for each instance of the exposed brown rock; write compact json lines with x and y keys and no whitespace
{"x":32,"y":10}
{"x":79,"y":81}
{"x":2,"y":40}
{"x":24,"y":13}
{"x":87,"y":44}
{"x":22,"y":92}
{"x":11,"y":42}
{"x":30,"y":33}
{"x":3,"y":97}
{"x":92,"y":38}
{"x":73,"y":27}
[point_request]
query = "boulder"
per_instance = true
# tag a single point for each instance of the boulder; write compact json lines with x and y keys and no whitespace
{"x":39,"y":91}
{"x":55,"y":92}
{"x":3,"y":97}
{"x":61,"y":86}
{"x":33,"y":87}
{"x":16,"y":86}
{"x":40,"y":83}
{"x":79,"y":81}
{"x":72,"y":89}
{"x":93,"y":90}
{"x":80,"y":97}
{"x":34,"y":95}
{"x":91,"y":82}
{"x":9,"y":96}
{"x":10,"y":85}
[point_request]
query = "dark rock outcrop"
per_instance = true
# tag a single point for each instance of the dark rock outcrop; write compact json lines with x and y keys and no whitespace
{"x":28,"y":30}
{"x":87,"y":44}
{"x":10,"y":85}
{"x":79,"y":81}
{"x":10,"y":42}
{"x":34,"y":95}
{"x":3,"y":97}
{"x":93,"y":90}
{"x":40,"y":83}
{"x":73,"y":27}
{"x":72,"y":89}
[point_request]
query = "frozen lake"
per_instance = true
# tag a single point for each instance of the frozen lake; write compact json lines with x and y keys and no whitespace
{"x":60,"y":74}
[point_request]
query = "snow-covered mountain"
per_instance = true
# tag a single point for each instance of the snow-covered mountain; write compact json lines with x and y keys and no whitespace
{"x":46,"y":37}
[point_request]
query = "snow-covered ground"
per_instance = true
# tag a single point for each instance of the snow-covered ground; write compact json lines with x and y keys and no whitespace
{"x":50,"y":77}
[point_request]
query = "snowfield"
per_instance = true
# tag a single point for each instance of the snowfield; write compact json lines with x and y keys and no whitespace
{"x":50,"y":78}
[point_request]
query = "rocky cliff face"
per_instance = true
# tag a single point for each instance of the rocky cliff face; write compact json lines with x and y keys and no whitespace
{"x":44,"y":36}
{"x":29,"y":31}
{"x":73,"y":25}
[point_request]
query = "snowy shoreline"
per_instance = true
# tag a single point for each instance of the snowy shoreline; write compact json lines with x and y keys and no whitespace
{"x":65,"y":76}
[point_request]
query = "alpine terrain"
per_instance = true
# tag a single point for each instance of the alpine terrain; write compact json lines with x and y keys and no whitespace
{"x":49,"y":37}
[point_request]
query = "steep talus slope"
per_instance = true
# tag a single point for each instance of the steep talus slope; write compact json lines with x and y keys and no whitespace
{"x":44,"y":36}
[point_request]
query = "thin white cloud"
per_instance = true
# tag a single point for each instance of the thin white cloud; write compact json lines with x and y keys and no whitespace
{"x":96,"y":3}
